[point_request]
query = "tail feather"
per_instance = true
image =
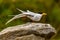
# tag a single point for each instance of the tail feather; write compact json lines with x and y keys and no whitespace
{"x":9,"y":21}
{"x":28,"y":11}
{"x":20,"y":10}
{"x":17,"y":16}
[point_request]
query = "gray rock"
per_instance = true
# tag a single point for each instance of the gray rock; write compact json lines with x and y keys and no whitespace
{"x":30,"y":37}
{"x":45,"y":31}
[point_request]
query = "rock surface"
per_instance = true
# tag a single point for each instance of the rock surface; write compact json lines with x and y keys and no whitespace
{"x":30,"y":37}
{"x":28,"y":31}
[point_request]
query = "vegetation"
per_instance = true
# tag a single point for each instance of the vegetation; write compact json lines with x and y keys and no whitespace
{"x":51,"y":7}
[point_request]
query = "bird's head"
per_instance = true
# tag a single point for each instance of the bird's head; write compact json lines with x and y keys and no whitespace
{"x":44,"y":14}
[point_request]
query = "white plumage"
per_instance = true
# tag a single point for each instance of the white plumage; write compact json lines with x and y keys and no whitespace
{"x":33,"y":16}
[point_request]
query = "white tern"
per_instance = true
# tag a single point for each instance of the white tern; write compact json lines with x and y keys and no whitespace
{"x":33,"y":16}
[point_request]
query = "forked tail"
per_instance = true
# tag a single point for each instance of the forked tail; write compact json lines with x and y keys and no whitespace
{"x":15,"y":17}
{"x":20,"y":10}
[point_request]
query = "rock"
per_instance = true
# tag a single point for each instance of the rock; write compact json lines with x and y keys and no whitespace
{"x":30,"y":37}
{"x":38,"y":30}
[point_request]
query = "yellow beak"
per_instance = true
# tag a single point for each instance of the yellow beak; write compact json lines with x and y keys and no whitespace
{"x":44,"y":14}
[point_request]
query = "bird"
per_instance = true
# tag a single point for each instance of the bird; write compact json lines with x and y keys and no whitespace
{"x":31,"y":15}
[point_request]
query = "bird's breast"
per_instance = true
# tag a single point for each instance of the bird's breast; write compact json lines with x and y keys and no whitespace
{"x":37,"y":17}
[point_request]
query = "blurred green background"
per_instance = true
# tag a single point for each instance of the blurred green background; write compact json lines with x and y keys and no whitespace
{"x":51,"y":7}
